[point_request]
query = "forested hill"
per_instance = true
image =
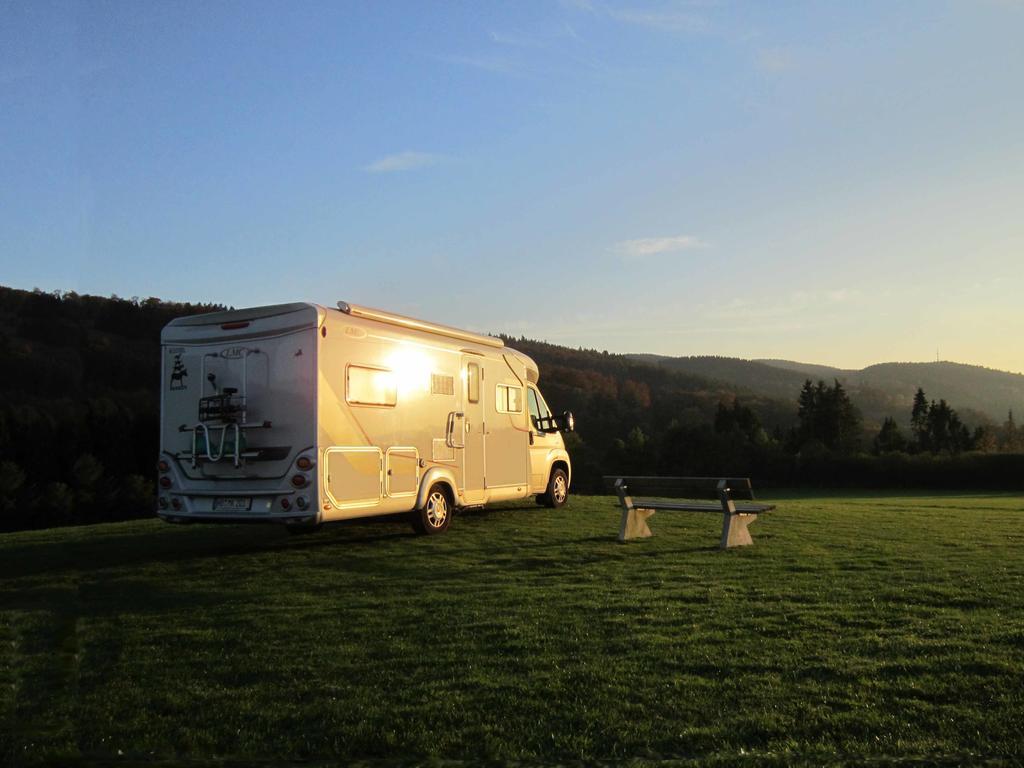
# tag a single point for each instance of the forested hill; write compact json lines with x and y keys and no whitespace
{"x":80,"y":386}
{"x":618,"y":392}
{"x":985,"y":390}
{"x":62,"y":345}
{"x":882,"y":390}
{"x":750,"y":375}
{"x":79,"y":399}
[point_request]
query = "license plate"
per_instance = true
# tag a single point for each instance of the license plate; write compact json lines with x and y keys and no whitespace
{"x":232,"y":504}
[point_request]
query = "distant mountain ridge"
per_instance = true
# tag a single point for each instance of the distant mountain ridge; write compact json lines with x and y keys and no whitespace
{"x":79,"y":413}
{"x":884,"y":389}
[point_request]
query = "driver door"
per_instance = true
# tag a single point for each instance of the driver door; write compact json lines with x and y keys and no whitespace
{"x":541,"y":443}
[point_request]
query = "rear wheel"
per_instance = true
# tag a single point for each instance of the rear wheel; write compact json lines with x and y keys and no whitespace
{"x":436,"y":514}
{"x":558,"y":490}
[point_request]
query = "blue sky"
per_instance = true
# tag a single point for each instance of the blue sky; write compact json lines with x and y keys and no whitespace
{"x":834,"y":182}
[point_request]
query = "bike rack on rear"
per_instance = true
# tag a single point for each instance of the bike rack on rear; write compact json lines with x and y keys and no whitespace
{"x":224,"y":411}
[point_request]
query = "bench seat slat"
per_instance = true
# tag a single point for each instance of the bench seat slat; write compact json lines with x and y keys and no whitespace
{"x":698,"y":506}
{"x":682,"y":487}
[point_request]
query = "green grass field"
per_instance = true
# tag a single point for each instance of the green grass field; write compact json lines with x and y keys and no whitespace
{"x":857,"y":627}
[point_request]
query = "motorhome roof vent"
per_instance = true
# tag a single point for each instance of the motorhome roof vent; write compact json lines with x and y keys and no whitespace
{"x":417,"y":325}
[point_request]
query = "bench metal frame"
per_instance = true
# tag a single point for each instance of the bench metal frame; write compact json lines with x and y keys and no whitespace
{"x":736,"y":517}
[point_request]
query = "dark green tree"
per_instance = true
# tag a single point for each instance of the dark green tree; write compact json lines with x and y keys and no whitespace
{"x":946,"y":433}
{"x":1012,"y":441}
{"x":984,"y":440}
{"x":739,"y":419}
{"x":919,"y":420}
{"x":54,"y":505}
{"x":12,"y":479}
{"x":828,"y":416}
{"x":889,"y":438}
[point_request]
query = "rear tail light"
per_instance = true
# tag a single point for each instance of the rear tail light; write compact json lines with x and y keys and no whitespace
{"x":285,"y":504}
{"x":176,"y":502}
{"x":299,"y":480}
{"x":165,"y":482}
{"x":163,"y":466}
{"x":304,"y":463}
{"x":301,"y":502}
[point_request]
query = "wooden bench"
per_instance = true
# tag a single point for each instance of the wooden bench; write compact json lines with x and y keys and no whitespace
{"x":736,"y":516}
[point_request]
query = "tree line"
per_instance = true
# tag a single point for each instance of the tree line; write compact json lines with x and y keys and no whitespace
{"x":690,"y":426}
{"x":79,"y":406}
{"x":79,"y":419}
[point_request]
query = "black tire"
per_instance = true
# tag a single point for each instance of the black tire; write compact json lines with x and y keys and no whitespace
{"x":436,"y":514}
{"x":558,"y":490}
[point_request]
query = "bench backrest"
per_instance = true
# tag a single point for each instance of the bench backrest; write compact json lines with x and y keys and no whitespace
{"x":682,"y":487}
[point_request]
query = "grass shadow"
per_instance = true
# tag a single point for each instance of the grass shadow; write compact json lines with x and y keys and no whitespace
{"x":180,"y":544}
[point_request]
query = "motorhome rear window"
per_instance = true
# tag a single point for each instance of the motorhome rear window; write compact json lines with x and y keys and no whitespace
{"x":508,"y":399}
{"x":370,"y":386}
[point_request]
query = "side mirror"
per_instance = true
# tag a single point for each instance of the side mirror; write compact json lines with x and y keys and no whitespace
{"x":545,"y":425}
{"x":568,"y":422}
{"x":550,"y":424}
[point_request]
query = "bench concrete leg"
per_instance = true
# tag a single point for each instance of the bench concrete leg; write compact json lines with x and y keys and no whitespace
{"x":734,"y":530}
{"x":634,"y":524}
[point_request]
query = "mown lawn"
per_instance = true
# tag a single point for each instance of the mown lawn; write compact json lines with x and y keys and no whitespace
{"x":857,"y":627}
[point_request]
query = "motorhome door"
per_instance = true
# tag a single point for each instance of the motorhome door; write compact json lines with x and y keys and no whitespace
{"x":473,"y":454}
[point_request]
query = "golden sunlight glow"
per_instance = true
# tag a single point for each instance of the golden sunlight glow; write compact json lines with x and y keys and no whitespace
{"x":411,"y":368}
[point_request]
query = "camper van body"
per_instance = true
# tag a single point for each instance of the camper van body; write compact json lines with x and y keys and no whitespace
{"x":303,"y":414}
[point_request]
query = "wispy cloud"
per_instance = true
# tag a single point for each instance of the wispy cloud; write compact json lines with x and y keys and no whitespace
{"x":578,"y":5}
{"x":543,"y":38}
{"x":677,"y":17}
{"x":653,"y":246}
{"x":518,"y":53}
{"x":403,"y":161}
{"x":555,"y":49}
{"x":501,"y":65}
{"x":670,"y":20}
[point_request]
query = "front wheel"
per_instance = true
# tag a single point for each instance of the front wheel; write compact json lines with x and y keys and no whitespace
{"x":558,"y":490}
{"x":436,"y":514}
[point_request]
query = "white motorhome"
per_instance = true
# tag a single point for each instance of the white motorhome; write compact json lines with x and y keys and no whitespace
{"x":303,"y":414}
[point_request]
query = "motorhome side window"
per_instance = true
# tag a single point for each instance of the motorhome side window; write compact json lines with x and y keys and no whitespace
{"x":370,"y":386}
{"x":473,"y":382}
{"x":508,"y":399}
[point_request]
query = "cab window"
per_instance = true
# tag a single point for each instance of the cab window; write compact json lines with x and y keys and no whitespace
{"x":531,"y":402}
{"x":545,"y":412}
{"x":540,"y":414}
